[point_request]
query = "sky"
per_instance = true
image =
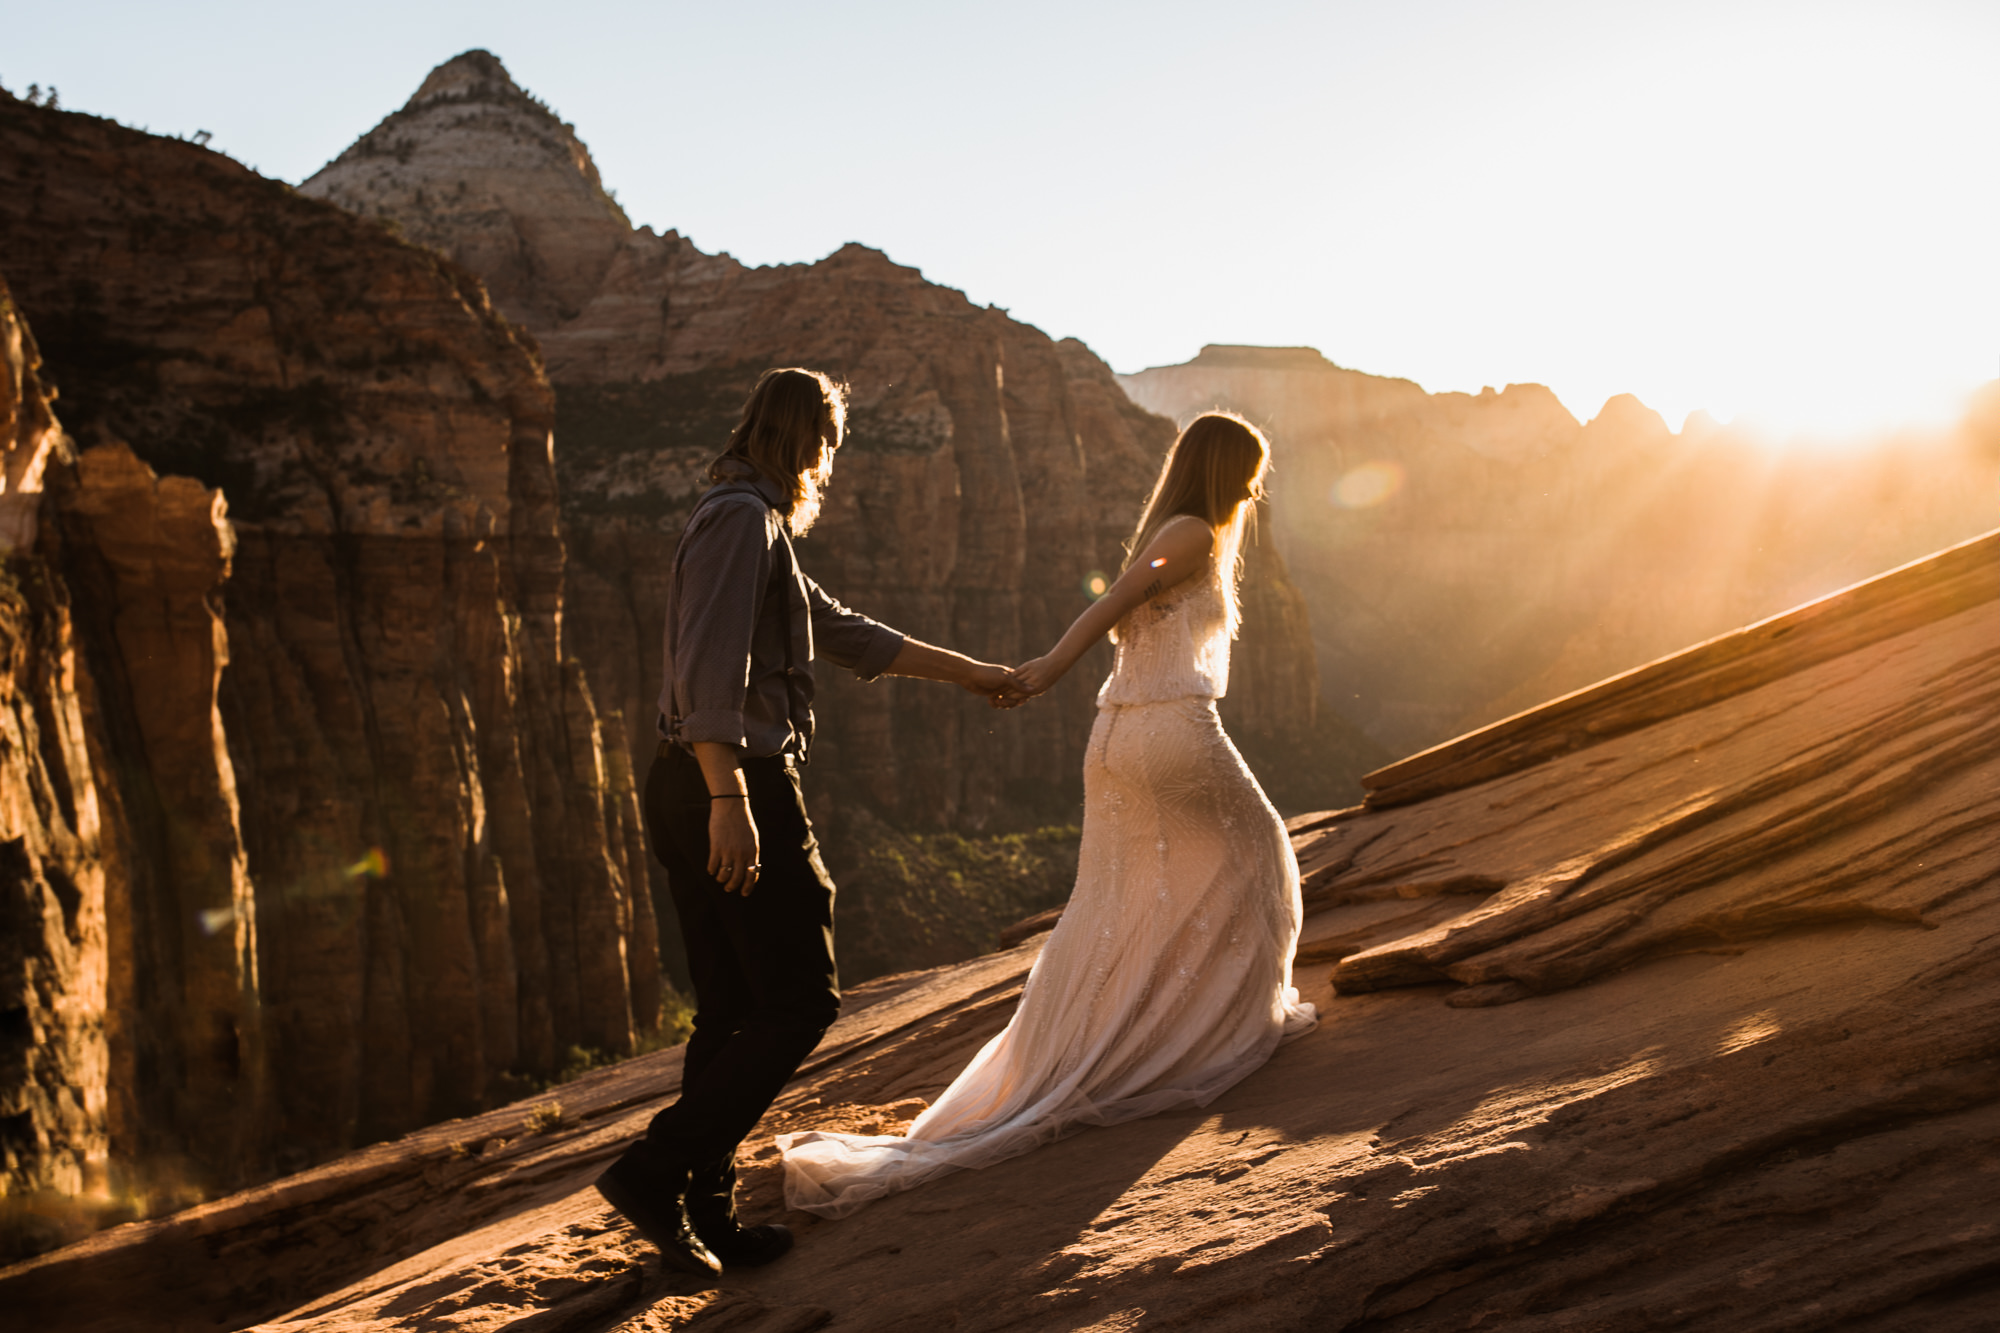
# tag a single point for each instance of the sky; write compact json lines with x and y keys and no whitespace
{"x":1784,"y":214}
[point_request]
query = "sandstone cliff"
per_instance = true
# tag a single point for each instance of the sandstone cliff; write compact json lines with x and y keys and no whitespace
{"x":376,"y":859}
{"x":1675,"y":1006}
{"x":990,"y":470}
{"x":1469,"y":556}
{"x":54,"y":1056}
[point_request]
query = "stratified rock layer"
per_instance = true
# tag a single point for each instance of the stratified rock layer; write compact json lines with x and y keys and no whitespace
{"x":1468,"y":556}
{"x":149,"y":558}
{"x":1750,"y":1079}
{"x":378,"y":859}
{"x":990,"y":470}
{"x":54,"y":1057}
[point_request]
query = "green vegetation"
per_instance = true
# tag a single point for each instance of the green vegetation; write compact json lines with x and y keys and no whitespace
{"x":611,"y":431}
{"x":871,"y":432}
{"x":913,"y":900}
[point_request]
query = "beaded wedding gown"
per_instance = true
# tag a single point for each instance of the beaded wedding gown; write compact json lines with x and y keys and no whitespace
{"x":1168,"y":977}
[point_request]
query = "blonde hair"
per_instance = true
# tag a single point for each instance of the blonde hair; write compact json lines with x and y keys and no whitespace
{"x":1214,"y":472}
{"x":785,"y":419}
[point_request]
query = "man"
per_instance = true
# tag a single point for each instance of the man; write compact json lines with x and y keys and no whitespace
{"x":745,"y":628}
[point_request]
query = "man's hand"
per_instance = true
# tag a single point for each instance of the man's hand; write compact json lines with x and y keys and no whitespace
{"x":985,"y":678}
{"x":1029,"y":679}
{"x":929,"y":663}
{"x":732,"y":845}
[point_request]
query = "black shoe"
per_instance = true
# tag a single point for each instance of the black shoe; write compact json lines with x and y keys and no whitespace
{"x":653,"y":1198}
{"x":711,"y":1207}
{"x":749,"y":1247}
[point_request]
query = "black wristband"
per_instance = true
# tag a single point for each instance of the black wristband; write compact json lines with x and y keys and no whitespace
{"x":730,"y":796}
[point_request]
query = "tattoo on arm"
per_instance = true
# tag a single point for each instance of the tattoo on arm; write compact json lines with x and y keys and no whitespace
{"x":1154,"y":589}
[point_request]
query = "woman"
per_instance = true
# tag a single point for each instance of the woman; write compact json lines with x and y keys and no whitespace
{"x":1169,"y":976}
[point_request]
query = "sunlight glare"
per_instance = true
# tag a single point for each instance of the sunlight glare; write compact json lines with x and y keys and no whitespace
{"x":1368,"y":485}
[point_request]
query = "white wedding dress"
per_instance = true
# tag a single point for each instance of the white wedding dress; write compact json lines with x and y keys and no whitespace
{"x":1168,"y":977}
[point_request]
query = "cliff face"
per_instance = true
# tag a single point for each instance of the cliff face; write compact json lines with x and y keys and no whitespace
{"x":1685,"y":1018}
{"x":1468,"y":556}
{"x":990,"y":470}
{"x":54,"y":1057}
{"x":378,"y":858}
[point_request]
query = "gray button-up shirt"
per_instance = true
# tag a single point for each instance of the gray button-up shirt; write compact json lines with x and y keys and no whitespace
{"x":745,"y":624}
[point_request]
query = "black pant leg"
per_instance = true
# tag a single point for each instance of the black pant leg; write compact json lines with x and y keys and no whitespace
{"x":763,"y":968}
{"x":676,"y":809}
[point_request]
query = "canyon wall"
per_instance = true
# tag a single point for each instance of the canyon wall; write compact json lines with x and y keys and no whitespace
{"x":54,"y":1055}
{"x":339,"y":738}
{"x":377,"y":863}
{"x":990,"y":469}
{"x":1466,"y":556}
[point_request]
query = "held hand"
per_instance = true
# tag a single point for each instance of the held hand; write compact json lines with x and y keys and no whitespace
{"x":1029,"y":679}
{"x":985,"y":678}
{"x":732,"y":846}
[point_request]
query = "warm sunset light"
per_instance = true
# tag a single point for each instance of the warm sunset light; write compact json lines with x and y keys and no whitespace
{"x":1368,"y":485}
{"x":1777,"y":213}
{"x":458,"y":870}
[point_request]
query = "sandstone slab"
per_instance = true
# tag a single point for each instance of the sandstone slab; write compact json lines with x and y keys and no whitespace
{"x":1748,"y":1080}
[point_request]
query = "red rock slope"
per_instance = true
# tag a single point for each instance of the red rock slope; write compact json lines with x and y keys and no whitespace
{"x":1685,"y":1018}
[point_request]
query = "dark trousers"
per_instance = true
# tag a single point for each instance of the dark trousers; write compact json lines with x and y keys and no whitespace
{"x":765,"y":988}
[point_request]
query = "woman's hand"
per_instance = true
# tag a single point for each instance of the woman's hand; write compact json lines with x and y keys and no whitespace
{"x":732,"y":845}
{"x":1029,"y":679}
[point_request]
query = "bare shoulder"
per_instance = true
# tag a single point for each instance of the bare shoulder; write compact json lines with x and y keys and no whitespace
{"x":1184,"y":535}
{"x":1178,"y":551}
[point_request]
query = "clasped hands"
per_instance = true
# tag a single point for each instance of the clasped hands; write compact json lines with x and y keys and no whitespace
{"x":1006,"y":687}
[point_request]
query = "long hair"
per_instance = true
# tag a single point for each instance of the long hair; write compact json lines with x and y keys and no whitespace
{"x":1214,"y":472}
{"x":785,"y":419}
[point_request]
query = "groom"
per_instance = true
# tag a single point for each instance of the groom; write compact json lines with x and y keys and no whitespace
{"x":745,"y":632}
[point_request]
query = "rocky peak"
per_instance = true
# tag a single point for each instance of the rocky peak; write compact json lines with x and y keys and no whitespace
{"x":1623,"y":417}
{"x":477,"y":167}
{"x":474,"y":75}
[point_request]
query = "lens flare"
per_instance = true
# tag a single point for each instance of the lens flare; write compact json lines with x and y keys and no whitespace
{"x":1095,"y":585}
{"x":215,"y":919}
{"x":375,"y":864}
{"x":1368,"y":485}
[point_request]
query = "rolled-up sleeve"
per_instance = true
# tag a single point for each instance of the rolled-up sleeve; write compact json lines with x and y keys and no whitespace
{"x":724,"y":568}
{"x":848,"y":638}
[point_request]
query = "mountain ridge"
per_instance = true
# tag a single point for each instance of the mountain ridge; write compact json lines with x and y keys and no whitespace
{"x":994,"y":471}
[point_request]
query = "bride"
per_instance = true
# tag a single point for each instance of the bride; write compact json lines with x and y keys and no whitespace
{"x":1168,"y":977}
